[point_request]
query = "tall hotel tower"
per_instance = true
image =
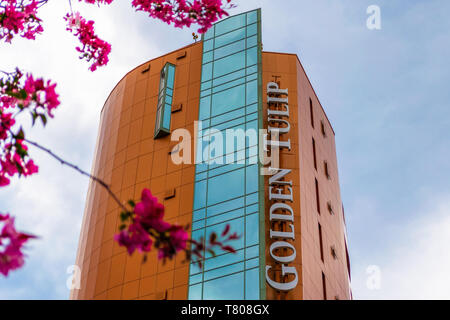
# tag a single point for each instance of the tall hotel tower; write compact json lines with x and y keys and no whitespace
{"x":289,"y":214}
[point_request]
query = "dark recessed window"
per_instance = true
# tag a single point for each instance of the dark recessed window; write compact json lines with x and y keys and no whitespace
{"x":333,"y":252}
{"x":165,"y":97}
{"x":311,"y":112}
{"x":321,"y":242}
{"x":330,"y":208}
{"x":327,"y":172}
{"x":324,"y":286}
{"x":322,"y":128}
{"x":314,"y":153}
{"x":317,"y":196}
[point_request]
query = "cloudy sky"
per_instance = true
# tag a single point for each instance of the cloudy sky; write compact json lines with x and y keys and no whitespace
{"x":385,"y":91}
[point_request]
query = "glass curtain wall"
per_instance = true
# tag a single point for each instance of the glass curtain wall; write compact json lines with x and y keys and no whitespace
{"x":228,"y":193}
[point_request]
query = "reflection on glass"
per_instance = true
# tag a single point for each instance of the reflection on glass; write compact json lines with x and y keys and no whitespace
{"x":228,"y":100}
{"x":227,"y":288}
{"x":230,"y":24}
{"x":195,"y":292}
{"x":228,"y":193}
{"x":226,"y":186}
{"x":252,"y":284}
{"x":230,"y":38}
{"x":229,"y":64}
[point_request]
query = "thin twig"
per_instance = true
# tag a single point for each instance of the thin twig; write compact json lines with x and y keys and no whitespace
{"x":92,"y":177}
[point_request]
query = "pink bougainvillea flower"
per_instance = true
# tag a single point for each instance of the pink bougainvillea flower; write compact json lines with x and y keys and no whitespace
{"x":183,"y":13}
{"x":19,"y":18}
{"x":93,"y":48}
{"x":11,"y":245}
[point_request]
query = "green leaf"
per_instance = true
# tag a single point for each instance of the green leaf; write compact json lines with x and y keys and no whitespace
{"x":124,"y":216}
{"x":44,"y":119}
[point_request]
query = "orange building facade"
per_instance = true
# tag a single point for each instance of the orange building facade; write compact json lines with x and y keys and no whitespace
{"x":291,"y":219}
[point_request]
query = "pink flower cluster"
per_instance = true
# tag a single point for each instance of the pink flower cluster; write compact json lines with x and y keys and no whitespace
{"x":11,"y":244}
{"x":184,"y":13}
{"x":99,"y":2}
{"x":19,"y":18}
{"x":33,"y":95}
{"x":93,"y":48}
{"x":148,"y":229}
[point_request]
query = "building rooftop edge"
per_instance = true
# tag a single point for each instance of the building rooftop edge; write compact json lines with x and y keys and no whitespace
{"x":301,"y":65}
{"x":196,"y":43}
{"x":148,"y":61}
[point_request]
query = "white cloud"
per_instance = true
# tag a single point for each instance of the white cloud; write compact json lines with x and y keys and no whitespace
{"x":415,"y":264}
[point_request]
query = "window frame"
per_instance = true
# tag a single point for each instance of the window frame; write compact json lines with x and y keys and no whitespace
{"x":164,"y":85}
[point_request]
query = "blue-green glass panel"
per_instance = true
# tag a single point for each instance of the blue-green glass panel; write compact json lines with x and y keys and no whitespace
{"x":253,"y":125}
{"x":251,"y":230}
{"x":252,"y":56}
{"x":252,"y":77}
{"x":251,"y":208}
{"x":201,"y":176}
{"x":198,"y":224}
{"x":195,"y":292}
{"x":252,"y":284}
{"x":252,"y":41}
{"x":229,"y":85}
{"x":225,"y":206}
{"x":230,"y":24}
{"x":223,"y":260}
{"x":252,"y":69}
{"x":224,"y":169}
{"x":229,"y":64}
{"x":207,"y":72}
{"x":229,"y":77}
{"x":205,"y":93}
{"x":226,"y":187}
{"x":252,"y":17}
{"x":252,"y":92}
{"x":196,"y":278}
{"x":252,"y":108}
{"x":198,"y":214}
{"x":167,"y":114}
{"x":225,"y":217}
{"x":171,"y":77}
{"x":227,"y":288}
{"x":252,"y":29}
{"x":209,"y":34}
{"x":208,"y":45}
{"x":252,"y":252}
{"x":200,"y":195}
{"x":207,"y":57}
{"x":251,"y":117}
{"x":228,"y":100}
{"x":205,"y":108}
{"x":195,"y":268}
{"x":253,"y":198}
{"x":252,"y":179}
{"x":228,"y":116}
{"x":252,"y":263}
{"x":229,"y":49}
{"x":230,"y":37}
{"x":224,"y":271}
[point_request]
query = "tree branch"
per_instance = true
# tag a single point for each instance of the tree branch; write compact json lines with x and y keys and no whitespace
{"x":90,"y":176}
